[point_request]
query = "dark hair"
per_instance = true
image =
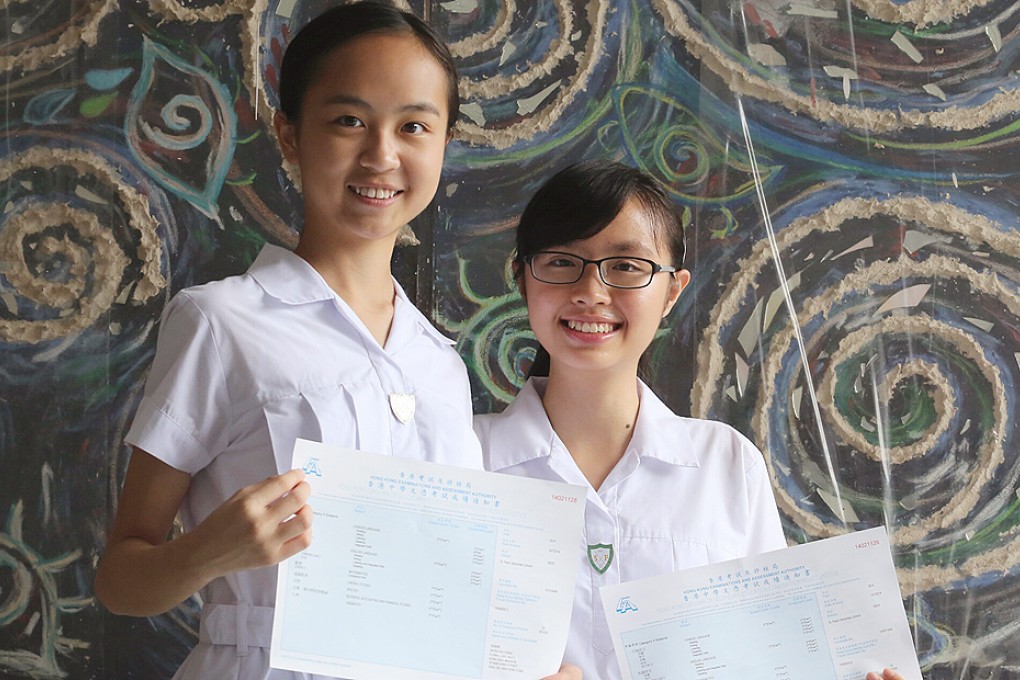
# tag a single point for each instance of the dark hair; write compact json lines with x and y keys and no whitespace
{"x":580,"y":201}
{"x":339,"y":25}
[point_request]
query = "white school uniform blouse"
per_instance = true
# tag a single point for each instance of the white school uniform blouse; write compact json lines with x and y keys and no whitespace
{"x":246,"y":365}
{"x":686,"y":493}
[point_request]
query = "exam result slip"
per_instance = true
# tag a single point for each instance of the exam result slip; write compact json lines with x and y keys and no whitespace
{"x":826,"y":610}
{"x":427,"y":572}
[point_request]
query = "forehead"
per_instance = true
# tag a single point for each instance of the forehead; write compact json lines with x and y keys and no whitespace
{"x":383,"y":65}
{"x":632,"y":232}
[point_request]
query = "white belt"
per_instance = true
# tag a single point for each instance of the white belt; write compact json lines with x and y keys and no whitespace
{"x":242,"y":625}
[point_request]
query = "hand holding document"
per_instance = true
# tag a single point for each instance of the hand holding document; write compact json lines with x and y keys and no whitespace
{"x":427,"y":572}
{"x":827,"y":610}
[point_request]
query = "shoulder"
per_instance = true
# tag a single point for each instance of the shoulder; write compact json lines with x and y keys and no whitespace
{"x":693,"y":440}
{"x":714,"y":431}
{"x":276,"y":274}
{"x":215,"y":303}
{"x":222,"y":293}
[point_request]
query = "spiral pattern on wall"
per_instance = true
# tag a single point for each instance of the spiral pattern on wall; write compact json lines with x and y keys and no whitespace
{"x":907,"y":417}
{"x":33,"y":35}
{"x":522,"y":67}
{"x":75,"y":240}
{"x":861,"y":70}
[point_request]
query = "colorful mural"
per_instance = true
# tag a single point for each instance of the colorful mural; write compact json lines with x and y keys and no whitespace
{"x":845,"y":170}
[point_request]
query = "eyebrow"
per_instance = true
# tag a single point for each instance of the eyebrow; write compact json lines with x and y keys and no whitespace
{"x":415,"y":107}
{"x":623,"y":248}
{"x":630,"y":247}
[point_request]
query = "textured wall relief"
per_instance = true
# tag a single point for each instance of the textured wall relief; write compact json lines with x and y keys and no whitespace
{"x":846,"y":172}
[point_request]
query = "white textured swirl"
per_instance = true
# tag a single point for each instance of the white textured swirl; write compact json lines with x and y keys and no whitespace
{"x":975,"y":498}
{"x":489,"y":39}
{"x":174,"y":10}
{"x":1003,"y":104}
{"x":85,"y":31}
{"x":852,"y":345}
{"x":920,"y":13}
{"x":498,"y":86}
{"x":76,"y":304}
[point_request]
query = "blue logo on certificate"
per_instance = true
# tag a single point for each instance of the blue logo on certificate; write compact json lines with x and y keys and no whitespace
{"x":625,"y":605}
{"x":312,"y":467}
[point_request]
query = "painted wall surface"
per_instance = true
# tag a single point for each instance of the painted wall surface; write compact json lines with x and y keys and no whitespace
{"x":848,"y":170}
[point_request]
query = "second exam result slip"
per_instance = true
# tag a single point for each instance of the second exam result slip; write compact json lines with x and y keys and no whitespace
{"x":428,"y":572}
{"x":826,"y":610}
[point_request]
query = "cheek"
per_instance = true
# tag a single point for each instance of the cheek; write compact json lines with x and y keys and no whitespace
{"x":541,"y":317}
{"x":647,"y":312}
{"x":436,"y":159}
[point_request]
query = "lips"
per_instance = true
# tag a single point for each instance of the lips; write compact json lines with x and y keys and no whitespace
{"x":378,"y":193}
{"x":594,"y":327}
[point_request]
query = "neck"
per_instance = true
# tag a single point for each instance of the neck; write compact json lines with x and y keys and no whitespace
{"x":358,"y":272}
{"x":594,"y":416}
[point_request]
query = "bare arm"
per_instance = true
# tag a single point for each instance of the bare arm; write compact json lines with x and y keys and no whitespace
{"x":143,"y":574}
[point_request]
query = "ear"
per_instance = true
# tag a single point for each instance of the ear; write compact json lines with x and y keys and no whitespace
{"x":517,"y":269}
{"x":286,"y":134}
{"x":678,"y":281}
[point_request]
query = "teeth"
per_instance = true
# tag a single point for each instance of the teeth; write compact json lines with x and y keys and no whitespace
{"x":586,"y":327}
{"x":372,"y":192}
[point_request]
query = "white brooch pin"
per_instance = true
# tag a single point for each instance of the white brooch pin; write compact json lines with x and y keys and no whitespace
{"x":402,"y":406}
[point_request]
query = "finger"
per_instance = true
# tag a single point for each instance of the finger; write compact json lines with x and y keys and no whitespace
{"x":298,"y":522}
{"x":295,"y":499}
{"x":271,"y":488}
{"x":299,"y":539}
{"x":567,"y":672}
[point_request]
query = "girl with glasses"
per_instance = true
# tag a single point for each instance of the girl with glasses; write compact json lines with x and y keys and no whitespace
{"x":600,"y":251}
{"x":320,"y":343}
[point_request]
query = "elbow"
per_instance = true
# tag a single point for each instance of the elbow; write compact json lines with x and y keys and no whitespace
{"x":113,"y":598}
{"x":105,"y":593}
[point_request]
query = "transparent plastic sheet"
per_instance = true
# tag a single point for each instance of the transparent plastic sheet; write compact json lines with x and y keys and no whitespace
{"x":867,"y":339}
{"x":847,"y":170}
{"x":887,"y":388}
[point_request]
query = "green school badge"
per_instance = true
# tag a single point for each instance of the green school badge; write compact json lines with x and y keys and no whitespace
{"x":600,"y":556}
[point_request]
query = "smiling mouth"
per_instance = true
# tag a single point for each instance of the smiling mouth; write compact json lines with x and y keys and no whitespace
{"x":374,"y":192}
{"x":590,"y":327}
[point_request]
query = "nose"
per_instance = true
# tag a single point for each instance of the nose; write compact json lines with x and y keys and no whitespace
{"x":590,"y":289}
{"x":379,"y":153}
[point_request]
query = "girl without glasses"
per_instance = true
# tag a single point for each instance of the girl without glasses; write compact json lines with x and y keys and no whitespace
{"x":320,"y":343}
{"x":600,"y":251}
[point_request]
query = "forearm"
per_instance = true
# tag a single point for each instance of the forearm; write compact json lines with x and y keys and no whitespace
{"x":258,"y":526}
{"x":136,"y":578}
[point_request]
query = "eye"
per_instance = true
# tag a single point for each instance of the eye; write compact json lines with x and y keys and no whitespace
{"x":348,"y":121}
{"x":415,"y":128}
{"x":629,"y":266}
{"x":559,"y":261}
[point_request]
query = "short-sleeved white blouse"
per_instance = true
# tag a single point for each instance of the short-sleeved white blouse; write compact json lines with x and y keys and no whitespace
{"x":246,"y":365}
{"x":686,"y":493}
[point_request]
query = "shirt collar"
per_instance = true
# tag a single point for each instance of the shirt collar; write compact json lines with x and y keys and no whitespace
{"x":291,"y":280}
{"x":288,"y":277}
{"x":523,"y":431}
{"x":661,"y":434}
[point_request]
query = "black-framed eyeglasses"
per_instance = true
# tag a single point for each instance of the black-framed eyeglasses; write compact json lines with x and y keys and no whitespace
{"x":553,"y":266}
